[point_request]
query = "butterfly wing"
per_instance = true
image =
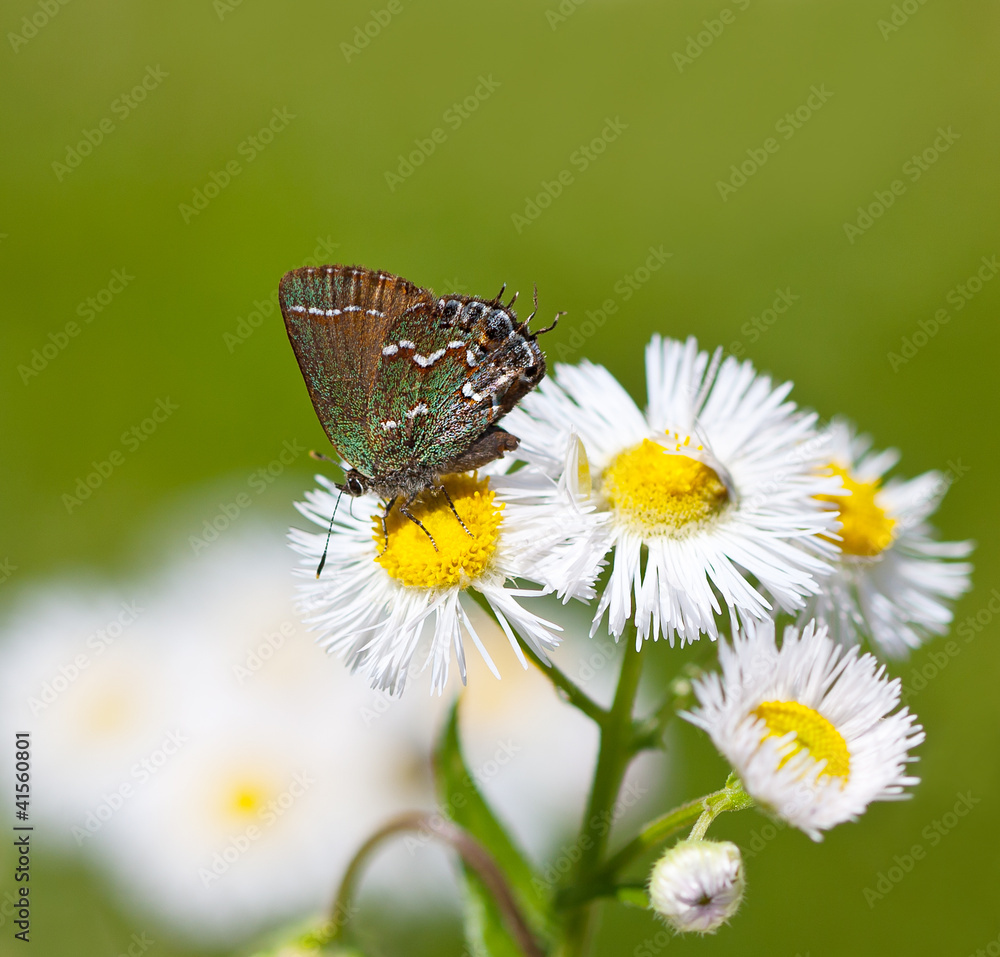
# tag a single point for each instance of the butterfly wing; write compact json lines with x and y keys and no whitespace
{"x":404,"y":383}
{"x":337,"y":319}
{"x":474,"y":362}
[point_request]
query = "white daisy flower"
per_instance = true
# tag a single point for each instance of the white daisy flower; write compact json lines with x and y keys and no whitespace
{"x":385,"y":602}
{"x":715,"y":482}
{"x":894,"y":583}
{"x":698,"y":885}
{"x":809,"y":728}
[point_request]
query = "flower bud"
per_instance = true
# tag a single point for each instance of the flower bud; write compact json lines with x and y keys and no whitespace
{"x":697,"y":885}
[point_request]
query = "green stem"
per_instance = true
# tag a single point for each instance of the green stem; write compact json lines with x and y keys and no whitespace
{"x":652,"y":834}
{"x":617,"y":748}
{"x":473,"y":854}
{"x":698,"y":813}
{"x":570,"y":691}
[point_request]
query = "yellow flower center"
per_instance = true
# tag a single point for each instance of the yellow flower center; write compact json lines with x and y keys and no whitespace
{"x":813,"y":733}
{"x":867,"y":530}
{"x":662,"y":492}
{"x":461,"y":557}
{"x":246,"y":798}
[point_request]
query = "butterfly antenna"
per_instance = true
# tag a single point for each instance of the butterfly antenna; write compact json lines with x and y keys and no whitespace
{"x":320,"y":457}
{"x":534,"y":311}
{"x":329,"y":532}
{"x":550,"y":327}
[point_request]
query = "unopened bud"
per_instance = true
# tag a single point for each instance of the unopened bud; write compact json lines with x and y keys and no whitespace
{"x":697,"y":885}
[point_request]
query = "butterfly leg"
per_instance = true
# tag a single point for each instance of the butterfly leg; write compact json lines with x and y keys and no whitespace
{"x":385,"y":529}
{"x":451,"y":505}
{"x":404,"y":510}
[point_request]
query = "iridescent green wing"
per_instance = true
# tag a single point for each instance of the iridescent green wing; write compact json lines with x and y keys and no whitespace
{"x":337,"y":318}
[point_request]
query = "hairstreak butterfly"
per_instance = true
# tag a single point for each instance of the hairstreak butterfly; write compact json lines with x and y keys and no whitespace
{"x":408,"y":386}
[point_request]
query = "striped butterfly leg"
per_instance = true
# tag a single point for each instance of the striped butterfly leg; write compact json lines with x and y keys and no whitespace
{"x":404,"y":510}
{"x":385,"y":528}
{"x":490,"y":446}
{"x":458,"y":518}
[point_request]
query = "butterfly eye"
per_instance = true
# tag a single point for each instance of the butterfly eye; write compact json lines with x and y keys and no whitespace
{"x":354,"y":485}
{"x":498,"y":325}
{"x":451,"y":308}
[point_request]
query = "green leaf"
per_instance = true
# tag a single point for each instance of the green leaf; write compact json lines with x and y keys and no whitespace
{"x":486,"y":931}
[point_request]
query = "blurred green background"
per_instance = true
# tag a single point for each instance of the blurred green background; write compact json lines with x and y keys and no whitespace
{"x":675,"y":95}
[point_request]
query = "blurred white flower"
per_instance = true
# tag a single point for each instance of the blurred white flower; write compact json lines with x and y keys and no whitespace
{"x":209,"y":759}
{"x":893,"y":584}
{"x":810,"y":728}
{"x":715,"y":483}
{"x":257,"y":818}
{"x":82,"y":672}
{"x":396,"y":604}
